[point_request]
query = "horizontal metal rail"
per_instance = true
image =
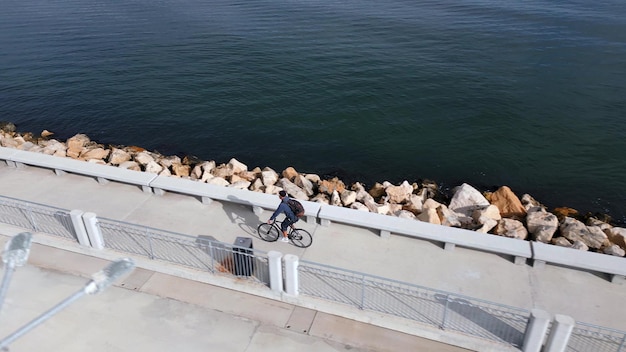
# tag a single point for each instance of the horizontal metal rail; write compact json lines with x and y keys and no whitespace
{"x":444,"y":310}
{"x":37,"y":217}
{"x":201,"y":252}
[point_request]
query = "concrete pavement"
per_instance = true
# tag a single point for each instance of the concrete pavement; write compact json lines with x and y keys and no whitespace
{"x":151,"y":311}
{"x":585,"y":296}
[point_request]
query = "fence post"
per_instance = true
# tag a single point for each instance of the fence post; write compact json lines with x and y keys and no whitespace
{"x":291,"y":274}
{"x":535,"y":330}
{"x":274,"y":259}
{"x":560,"y":333}
{"x":79,"y":227}
{"x":93,"y":231}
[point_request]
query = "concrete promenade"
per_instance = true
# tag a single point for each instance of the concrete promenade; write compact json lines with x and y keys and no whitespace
{"x":585,"y":296}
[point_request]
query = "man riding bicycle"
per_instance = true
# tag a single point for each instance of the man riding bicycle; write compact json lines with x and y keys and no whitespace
{"x":290,"y":217}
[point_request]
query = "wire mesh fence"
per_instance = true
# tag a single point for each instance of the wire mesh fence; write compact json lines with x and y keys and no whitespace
{"x":587,"y":337}
{"x":37,"y":217}
{"x":444,"y":310}
{"x":201,"y":252}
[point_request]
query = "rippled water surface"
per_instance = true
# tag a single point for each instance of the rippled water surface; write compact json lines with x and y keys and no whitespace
{"x":530,"y":94}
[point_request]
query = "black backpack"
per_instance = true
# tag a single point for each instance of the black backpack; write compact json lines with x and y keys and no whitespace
{"x":296,"y":207}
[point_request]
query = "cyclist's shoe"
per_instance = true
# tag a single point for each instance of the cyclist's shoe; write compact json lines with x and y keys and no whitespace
{"x":284,"y":239}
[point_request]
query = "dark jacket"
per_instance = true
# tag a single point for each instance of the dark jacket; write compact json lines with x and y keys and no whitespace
{"x":283,"y":207}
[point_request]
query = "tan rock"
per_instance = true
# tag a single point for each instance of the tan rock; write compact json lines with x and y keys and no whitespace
{"x":377,"y":190}
{"x":487,"y":226}
{"x":76,"y":144}
{"x":431,"y":204}
{"x":46,"y":134}
{"x":241,"y":184}
{"x":328,"y":186}
{"x":222,"y":171}
{"x":448,"y":217}
{"x":144,"y":158}
{"x":96,"y":153}
{"x":291,"y":189}
{"x":617,"y":235}
{"x":118,"y":156}
{"x":430,"y":215}
{"x":181,"y":170}
{"x":130,"y":165}
{"x":289,"y":173}
{"x":315,"y":179}
{"x":508,"y":203}
{"x":269,"y":177}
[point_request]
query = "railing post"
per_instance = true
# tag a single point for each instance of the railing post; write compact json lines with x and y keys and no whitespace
{"x":93,"y":231}
{"x":291,"y":274}
{"x":149,"y":235}
{"x":560,"y":333}
{"x":274,"y":259}
{"x":362,"y":306}
{"x":79,"y":227}
{"x":445,"y":313}
{"x":535,"y":330}
{"x":32,"y":219}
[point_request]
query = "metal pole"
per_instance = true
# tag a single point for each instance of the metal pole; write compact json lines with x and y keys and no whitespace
{"x":99,"y":282}
{"x":40,"y":319}
{"x":9,"y":268}
{"x":15,"y":254}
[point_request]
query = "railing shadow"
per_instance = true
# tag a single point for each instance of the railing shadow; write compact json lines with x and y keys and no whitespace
{"x":481,"y":318}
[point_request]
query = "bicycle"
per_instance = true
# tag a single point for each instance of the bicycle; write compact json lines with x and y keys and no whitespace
{"x":272,"y":232}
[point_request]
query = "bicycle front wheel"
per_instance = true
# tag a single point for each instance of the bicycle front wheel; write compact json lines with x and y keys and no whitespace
{"x":268,"y":232}
{"x":301,"y":238}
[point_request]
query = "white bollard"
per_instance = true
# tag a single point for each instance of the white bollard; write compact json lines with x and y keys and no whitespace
{"x":91,"y":225}
{"x":291,"y":274}
{"x":536,"y":330}
{"x":274,"y":259}
{"x":560,"y":333}
{"x":79,"y":227}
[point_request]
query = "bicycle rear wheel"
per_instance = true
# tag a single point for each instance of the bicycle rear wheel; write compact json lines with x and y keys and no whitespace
{"x":268,"y":232}
{"x":300,"y":238}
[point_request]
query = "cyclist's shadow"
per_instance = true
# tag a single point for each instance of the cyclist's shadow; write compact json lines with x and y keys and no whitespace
{"x":240,"y":213}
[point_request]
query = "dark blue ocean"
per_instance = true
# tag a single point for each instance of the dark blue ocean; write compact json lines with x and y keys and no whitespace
{"x":529,"y":94}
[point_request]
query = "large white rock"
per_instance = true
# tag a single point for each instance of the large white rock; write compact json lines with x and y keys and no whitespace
{"x":130,"y":165}
{"x":76,"y":144}
{"x":348,"y":197}
{"x":144,"y":158}
{"x":219,"y":181}
{"x":293,"y":190}
{"x":490,"y":212}
{"x":575,"y":230}
{"x":511,"y":228}
{"x":466,"y":199}
{"x":269,"y":177}
{"x":153,"y":167}
{"x":541,"y":224}
{"x":242,"y":184}
{"x":448,"y":217}
{"x":398,"y":194}
{"x":359,"y":206}
{"x":335,"y":199}
{"x":237,"y":166}
{"x":614,"y":250}
{"x":304,"y":184}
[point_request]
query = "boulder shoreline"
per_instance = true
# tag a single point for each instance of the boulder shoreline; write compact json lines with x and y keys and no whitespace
{"x":500,"y":213}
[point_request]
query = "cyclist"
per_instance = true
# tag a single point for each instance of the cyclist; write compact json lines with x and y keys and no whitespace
{"x":290,"y":217}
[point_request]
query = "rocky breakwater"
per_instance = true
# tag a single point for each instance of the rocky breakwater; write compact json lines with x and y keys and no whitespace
{"x":500,"y":213}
